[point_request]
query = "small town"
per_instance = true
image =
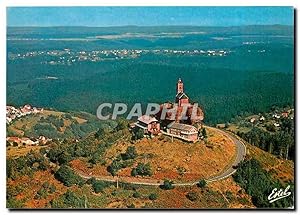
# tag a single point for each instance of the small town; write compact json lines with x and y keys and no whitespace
{"x":25,"y":141}
{"x":13,"y":113}
{"x":68,"y":57}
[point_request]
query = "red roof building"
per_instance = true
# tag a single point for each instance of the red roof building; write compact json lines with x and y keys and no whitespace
{"x":186,"y":132}
{"x":149,"y":124}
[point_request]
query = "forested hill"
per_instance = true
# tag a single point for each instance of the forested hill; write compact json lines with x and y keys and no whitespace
{"x":229,"y":71}
{"x":80,"y":30}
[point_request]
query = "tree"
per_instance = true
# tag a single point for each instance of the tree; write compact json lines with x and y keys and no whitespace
{"x":91,"y":180}
{"x":202,"y":183}
{"x":98,"y":186}
{"x":138,"y":134}
{"x":101,"y":132}
{"x":167,"y":185}
{"x":204,"y":134}
{"x":64,"y":158}
{"x":69,"y":200}
{"x":122,"y":124}
{"x":258,"y":183}
{"x":142,"y":169}
{"x":134,"y":172}
{"x":136,"y":195}
{"x":114,"y":167}
{"x":130,"y":153}
{"x":271,"y":127}
{"x":153,"y":196}
{"x":192,"y":196}
{"x":67,"y":176}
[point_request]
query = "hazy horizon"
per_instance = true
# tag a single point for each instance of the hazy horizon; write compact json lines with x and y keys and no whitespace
{"x":116,"y":26}
{"x":148,"y":16}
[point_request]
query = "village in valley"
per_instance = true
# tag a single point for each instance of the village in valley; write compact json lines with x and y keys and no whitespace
{"x":70,"y":57}
{"x":269,"y":121}
{"x":13,"y":114}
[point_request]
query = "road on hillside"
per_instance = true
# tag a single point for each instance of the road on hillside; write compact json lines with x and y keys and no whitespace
{"x":240,"y":155}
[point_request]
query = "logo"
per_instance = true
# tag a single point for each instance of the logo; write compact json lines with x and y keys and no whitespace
{"x":277,"y":194}
{"x":118,"y":109}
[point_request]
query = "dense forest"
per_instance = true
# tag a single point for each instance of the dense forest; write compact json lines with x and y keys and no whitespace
{"x":280,"y":143}
{"x":256,"y":72}
{"x":258,"y":183}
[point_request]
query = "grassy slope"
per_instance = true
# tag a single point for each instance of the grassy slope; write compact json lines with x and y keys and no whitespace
{"x":225,"y":193}
{"x":280,"y":169}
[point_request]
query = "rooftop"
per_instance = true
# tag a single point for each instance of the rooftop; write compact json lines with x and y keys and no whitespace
{"x":182,"y":127}
{"x":182,"y":96}
{"x":147,"y":119}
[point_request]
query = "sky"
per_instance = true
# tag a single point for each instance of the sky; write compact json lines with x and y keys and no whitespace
{"x":148,"y":16}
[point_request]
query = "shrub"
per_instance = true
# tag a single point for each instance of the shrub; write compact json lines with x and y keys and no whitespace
{"x":114,"y":193}
{"x":130,"y":153}
{"x":133,"y":172}
{"x":101,"y":132}
{"x":46,"y":184}
{"x":91,"y":180}
{"x":153,"y":196}
{"x":67,"y":176}
{"x":41,"y":194}
{"x":12,"y":202}
{"x":52,"y":188}
{"x":142,"y":169}
{"x":131,"y":206}
{"x":128,"y":186}
{"x":167,"y":185}
{"x":192,"y":196}
{"x":202,"y":183}
{"x":68,"y":116}
{"x":229,"y":195}
{"x":98,"y":186}
{"x":136,"y":195}
{"x":114,"y":167}
{"x":122,"y":124}
{"x":70,"y":199}
{"x":138,"y":134}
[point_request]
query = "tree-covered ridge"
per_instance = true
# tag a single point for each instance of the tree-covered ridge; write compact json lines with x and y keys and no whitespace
{"x":272,"y":131}
{"x":256,"y":73}
{"x":259,"y":184}
{"x":67,"y":188}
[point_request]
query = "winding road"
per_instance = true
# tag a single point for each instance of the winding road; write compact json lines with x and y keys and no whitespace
{"x":240,"y":155}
